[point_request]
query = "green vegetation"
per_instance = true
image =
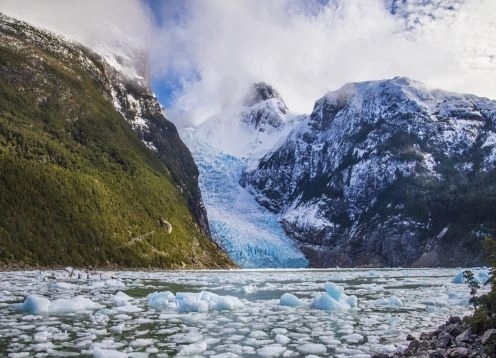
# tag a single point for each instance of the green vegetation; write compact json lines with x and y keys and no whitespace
{"x":77,"y":186}
{"x":485,"y":314}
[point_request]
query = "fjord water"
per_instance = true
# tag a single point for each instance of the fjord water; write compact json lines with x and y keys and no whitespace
{"x":391,"y":304}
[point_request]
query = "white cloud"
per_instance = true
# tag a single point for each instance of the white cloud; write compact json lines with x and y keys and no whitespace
{"x":447,"y":44}
{"x":217,"y":48}
{"x":90,"y":22}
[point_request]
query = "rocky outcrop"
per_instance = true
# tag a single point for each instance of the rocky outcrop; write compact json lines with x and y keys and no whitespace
{"x":454,"y":339}
{"x":385,"y":173}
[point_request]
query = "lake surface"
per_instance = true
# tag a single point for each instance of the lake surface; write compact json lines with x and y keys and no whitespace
{"x":104,"y":324}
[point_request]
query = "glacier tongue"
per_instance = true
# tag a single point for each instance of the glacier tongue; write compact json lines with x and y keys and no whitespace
{"x":251,"y":235}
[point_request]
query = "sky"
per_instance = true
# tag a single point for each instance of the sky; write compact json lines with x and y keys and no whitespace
{"x":204,"y":54}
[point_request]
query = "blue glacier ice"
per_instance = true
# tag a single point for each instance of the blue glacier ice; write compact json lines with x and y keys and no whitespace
{"x":250,"y":234}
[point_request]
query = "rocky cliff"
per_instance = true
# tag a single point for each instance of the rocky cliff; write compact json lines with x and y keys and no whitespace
{"x":386,"y":173}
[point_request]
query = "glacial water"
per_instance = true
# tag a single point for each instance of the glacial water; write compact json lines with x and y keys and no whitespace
{"x":105,"y":323}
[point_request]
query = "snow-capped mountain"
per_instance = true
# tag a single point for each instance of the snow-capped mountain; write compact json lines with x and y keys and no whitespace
{"x":385,"y":173}
{"x":224,"y":146}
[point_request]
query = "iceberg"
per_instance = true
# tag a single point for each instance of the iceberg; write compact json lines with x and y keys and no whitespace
{"x":35,"y":304}
{"x":481,"y":275}
{"x":206,"y":301}
{"x":160,"y":300}
{"x":334,"y":299}
{"x":290,"y":300}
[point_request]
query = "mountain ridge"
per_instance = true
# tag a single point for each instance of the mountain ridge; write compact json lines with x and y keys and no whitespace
{"x":84,"y":181}
{"x":328,"y":178}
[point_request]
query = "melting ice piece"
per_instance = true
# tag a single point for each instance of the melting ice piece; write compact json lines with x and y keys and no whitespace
{"x":248,"y":289}
{"x":75,"y":304}
{"x":160,"y":300}
{"x":205,"y":301}
{"x":273,"y":350}
{"x":107,"y":353}
{"x":312,"y":348}
{"x":40,"y":305}
{"x":389,"y":301}
{"x":121,"y":299}
{"x":480,"y":275}
{"x":334,"y":299}
{"x":34,"y":304}
{"x":290,"y":300}
{"x":193,"y":348}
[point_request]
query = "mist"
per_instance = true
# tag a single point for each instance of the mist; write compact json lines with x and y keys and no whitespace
{"x":208,"y":52}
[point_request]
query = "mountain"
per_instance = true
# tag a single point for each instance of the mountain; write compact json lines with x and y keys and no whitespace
{"x":91,"y":172}
{"x":224,"y":146}
{"x":385,"y":173}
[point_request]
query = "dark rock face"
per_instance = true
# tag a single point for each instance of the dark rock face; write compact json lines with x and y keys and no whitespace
{"x":386,"y":173}
{"x":442,"y":344}
{"x":262,"y":91}
{"x":140,"y":107}
{"x":265,"y":109}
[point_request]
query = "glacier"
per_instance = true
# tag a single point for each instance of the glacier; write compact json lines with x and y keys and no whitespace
{"x":250,"y":234}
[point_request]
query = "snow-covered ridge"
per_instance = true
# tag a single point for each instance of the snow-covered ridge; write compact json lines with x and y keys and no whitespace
{"x":332,"y":178}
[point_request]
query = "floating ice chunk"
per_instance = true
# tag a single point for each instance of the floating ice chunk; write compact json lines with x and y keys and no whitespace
{"x":206,"y":301}
{"x":190,"y":303}
{"x":61,"y":285}
{"x":312,"y":348}
{"x":160,"y":300}
{"x":282,"y":339}
{"x":114,"y":283}
{"x":129,"y":308}
{"x":334,"y":299}
{"x":389,"y":301}
{"x":273,"y":350}
{"x":352,"y":300}
{"x":290,"y":300}
{"x":325,"y":302}
{"x":75,"y":304}
{"x":480,"y":275}
{"x":279,"y":330}
{"x":121,"y":299}
{"x":107,"y":353}
{"x":248,"y":289}
{"x":141,"y":342}
{"x":192,"y":349}
{"x":43,"y":347}
{"x":353,"y":338}
{"x":191,"y":337}
{"x":34,"y":304}
{"x":258,"y":334}
{"x":40,"y":305}
{"x":334,"y":291}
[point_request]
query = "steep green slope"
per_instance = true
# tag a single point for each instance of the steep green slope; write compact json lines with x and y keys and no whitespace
{"x":77,"y":186}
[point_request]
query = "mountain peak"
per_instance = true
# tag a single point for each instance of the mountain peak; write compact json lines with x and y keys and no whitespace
{"x":260,"y":92}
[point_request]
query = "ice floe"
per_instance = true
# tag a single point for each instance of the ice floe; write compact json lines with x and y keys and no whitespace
{"x":35,"y":304}
{"x":334,"y":299}
{"x":481,"y":275}
{"x":290,"y":300}
{"x":215,"y":317}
